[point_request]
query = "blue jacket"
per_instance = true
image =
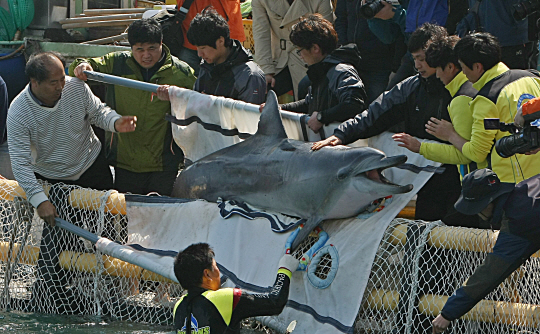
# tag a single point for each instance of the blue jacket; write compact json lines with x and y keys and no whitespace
{"x":422,"y":11}
{"x":496,"y":18}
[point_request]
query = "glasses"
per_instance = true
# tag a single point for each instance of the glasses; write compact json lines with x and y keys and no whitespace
{"x":299,"y":50}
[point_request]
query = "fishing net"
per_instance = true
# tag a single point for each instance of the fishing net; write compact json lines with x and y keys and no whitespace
{"x":417,"y":266}
{"x":22,"y":12}
{"x":7,"y":25}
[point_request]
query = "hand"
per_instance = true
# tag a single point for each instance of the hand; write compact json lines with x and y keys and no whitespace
{"x":313,"y":123}
{"x":126,"y":124}
{"x":79,"y":70}
{"x":439,"y":324}
{"x":47,"y":212}
{"x":330,"y":141}
{"x":407,"y":141}
{"x":270,"y":80}
{"x":261,"y":107}
{"x":288,"y":262}
{"x":440,"y":128}
{"x":386,"y":13}
{"x":163,"y":93}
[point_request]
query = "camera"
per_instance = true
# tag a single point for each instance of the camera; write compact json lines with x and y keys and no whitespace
{"x":525,"y":8}
{"x":520,"y":141}
{"x":372,"y":7}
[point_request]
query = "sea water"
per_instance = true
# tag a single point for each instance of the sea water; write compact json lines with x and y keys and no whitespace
{"x":26,"y":323}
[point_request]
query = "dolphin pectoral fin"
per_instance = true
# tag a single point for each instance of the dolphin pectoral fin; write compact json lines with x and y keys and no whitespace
{"x":310,"y":224}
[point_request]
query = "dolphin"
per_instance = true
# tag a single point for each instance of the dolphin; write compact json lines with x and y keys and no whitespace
{"x":272,"y":172}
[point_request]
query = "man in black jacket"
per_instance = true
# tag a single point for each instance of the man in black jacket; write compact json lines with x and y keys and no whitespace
{"x":336,"y":92}
{"x":413,"y":101}
{"x":215,"y":310}
{"x":227,"y":69}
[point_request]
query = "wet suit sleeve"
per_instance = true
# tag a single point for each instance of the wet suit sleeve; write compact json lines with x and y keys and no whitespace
{"x":389,"y":108}
{"x":249,"y":305}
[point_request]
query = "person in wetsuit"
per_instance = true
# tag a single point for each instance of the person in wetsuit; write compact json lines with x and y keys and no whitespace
{"x":214,"y":310}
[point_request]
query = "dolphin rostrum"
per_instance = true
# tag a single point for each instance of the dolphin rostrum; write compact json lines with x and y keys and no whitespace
{"x":272,"y":172}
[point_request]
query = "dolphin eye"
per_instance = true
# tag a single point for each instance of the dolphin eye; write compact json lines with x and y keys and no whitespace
{"x":343,"y":173}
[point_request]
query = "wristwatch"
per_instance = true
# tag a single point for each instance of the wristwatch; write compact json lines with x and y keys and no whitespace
{"x":319,"y":116}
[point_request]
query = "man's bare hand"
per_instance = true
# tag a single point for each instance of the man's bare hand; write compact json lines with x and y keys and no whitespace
{"x":407,"y":141}
{"x":313,"y":123}
{"x":439,"y":324}
{"x":330,"y":141}
{"x":163,"y":93}
{"x":79,"y":70}
{"x":440,"y":128}
{"x":261,"y":107}
{"x":270,"y":80}
{"x":47,"y":212}
{"x":126,"y":124}
{"x":386,"y":13}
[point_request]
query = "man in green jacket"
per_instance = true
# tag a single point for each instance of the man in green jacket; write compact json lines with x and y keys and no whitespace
{"x":146,"y":160}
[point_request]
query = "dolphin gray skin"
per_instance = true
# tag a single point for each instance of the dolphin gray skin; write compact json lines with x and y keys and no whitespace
{"x":272,"y":172}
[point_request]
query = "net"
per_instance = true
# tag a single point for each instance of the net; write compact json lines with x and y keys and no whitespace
{"x":7,"y":25}
{"x":22,"y":11}
{"x":417,"y":266}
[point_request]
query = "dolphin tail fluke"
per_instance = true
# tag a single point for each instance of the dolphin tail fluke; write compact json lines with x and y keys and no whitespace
{"x":310,"y":224}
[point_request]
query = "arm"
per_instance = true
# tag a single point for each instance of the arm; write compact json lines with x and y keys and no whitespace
{"x":297,"y":106}
{"x":262,"y":32}
{"x":99,"y":113}
{"x":101,"y":64}
{"x":388,"y":109}
{"x":253,"y":88}
{"x":349,"y":89}
{"x":388,"y":28}
{"x":481,"y":143}
{"x":21,"y":162}
{"x":443,"y":153}
{"x":341,"y":23}
{"x":250,"y":305}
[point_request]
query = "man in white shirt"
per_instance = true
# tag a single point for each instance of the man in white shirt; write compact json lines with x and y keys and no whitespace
{"x":50,"y":135}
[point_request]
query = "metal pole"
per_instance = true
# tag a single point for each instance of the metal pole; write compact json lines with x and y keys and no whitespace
{"x":76,"y":230}
{"x":114,"y":80}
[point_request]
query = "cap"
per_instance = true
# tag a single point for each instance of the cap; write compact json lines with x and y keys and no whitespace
{"x":479,"y":188}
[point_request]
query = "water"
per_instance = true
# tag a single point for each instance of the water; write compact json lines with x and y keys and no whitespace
{"x":26,"y":323}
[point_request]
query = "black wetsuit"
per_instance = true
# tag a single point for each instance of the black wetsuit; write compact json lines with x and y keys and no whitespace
{"x":222,"y":311}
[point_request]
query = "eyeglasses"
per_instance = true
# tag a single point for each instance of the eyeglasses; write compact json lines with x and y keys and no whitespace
{"x":299,"y":50}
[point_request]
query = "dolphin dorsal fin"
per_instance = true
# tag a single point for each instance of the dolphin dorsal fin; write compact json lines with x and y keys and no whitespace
{"x":270,"y":123}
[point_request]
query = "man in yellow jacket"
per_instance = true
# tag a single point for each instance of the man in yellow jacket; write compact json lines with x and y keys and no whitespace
{"x":501,"y":92}
{"x":441,"y":56}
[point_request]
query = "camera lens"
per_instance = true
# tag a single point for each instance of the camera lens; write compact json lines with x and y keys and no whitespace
{"x":370,"y":9}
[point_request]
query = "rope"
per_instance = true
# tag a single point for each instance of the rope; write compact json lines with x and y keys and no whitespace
{"x":13,"y":53}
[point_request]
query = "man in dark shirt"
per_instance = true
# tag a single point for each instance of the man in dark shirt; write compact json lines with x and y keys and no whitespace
{"x":336,"y":92}
{"x":227,"y":68}
{"x":215,"y":310}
